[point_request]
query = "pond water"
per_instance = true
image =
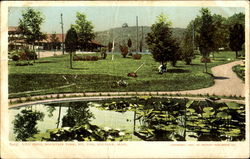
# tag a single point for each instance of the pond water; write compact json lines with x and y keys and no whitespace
{"x":149,"y":119}
{"x":54,"y":113}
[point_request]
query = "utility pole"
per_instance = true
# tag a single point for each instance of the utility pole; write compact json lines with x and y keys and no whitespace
{"x":62,"y":34}
{"x":137,"y":34}
{"x":142,"y":38}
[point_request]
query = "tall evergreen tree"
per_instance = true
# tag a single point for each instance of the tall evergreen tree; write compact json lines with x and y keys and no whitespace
{"x":206,"y":34}
{"x":71,"y":43}
{"x":237,"y":38}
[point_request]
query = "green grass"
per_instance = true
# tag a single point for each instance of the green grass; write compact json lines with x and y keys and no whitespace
{"x":46,"y":75}
{"x":240,"y":71}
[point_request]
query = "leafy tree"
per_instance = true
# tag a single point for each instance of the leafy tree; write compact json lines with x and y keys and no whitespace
{"x":237,"y":38}
{"x":84,"y":29}
{"x":206,"y":34}
{"x":221,"y":34}
{"x":71,"y":43}
{"x":25,"y":124}
{"x":237,"y":18}
{"x":160,"y":41}
{"x":30,"y":26}
{"x":54,"y":41}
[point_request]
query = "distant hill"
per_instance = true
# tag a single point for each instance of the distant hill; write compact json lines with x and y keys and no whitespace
{"x":121,"y":36}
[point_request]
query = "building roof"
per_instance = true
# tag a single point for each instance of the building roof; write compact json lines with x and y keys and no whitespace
{"x":48,"y":39}
{"x":13,"y":29}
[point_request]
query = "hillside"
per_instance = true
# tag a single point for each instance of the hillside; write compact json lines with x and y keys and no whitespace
{"x":121,"y":35}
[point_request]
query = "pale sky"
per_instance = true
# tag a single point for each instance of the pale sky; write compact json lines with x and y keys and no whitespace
{"x":104,"y":18}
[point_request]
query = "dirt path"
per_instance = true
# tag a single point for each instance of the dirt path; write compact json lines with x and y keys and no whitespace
{"x":226,"y":82}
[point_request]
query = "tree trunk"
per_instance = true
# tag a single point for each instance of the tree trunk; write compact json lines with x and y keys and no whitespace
{"x":206,"y":66}
{"x":70,"y":60}
{"x":236,"y":54}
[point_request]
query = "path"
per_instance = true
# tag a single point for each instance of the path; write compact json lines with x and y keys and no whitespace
{"x":226,"y":82}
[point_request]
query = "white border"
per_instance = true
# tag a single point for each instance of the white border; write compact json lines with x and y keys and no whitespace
{"x":130,"y":149}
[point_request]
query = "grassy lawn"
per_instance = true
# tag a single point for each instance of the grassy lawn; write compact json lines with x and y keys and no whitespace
{"x":52,"y":75}
{"x":240,"y":71}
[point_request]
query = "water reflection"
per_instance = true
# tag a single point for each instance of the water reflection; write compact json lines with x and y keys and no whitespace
{"x":25,"y":123}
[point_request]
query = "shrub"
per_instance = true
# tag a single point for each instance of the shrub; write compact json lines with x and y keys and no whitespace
{"x":203,"y":60}
{"x":23,"y":63}
{"x":85,"y":58}
{"x":124,"y":50}
{"x":31,"y":55}
{"x":137,"y":56}
{"x":103,"y":53}
{"x":15,"y":57}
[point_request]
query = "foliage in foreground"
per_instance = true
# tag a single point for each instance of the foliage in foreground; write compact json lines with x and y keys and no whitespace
{"x":240,"y":71}
{"x":86,"y":132}
{"x":183,"y":119}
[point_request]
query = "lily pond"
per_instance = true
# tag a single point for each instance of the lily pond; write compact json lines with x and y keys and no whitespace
{"x":129,"y":119}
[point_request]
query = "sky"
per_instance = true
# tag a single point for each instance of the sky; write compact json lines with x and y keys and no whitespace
{"x":106,"y":17}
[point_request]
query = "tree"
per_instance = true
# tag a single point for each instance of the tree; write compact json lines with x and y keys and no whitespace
{"x":237,"y":38}
{"x":237,"y":18}
{"x":187,"y":48}
{"x":54,"y":41}
{"x":206,"y":34}
{"x":221,"y":34}
{"x":160,"y":41}
{"x":71,"y":43}
{"x":84,"y":29}
{"x":30,"y":26}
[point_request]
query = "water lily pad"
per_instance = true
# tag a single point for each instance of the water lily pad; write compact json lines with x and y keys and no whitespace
{"x":232,"y":105}
{"x":222,"y":108}
{"x":208,"y":109}
{"x":207,"y":114}
{"x":189,"y":103}
{"x":223,"y":115}
{"x":191,"y":110}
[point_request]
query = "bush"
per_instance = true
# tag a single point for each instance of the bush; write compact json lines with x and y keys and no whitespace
{"x":204,"y":59}
{"x":15,"y":57}
{"x":30,"y":54}
{"x":124,"y":51}
{"x":85,"y":58}
{"x":23,"y":63}
{"x":137,"y":56}
{"x":25,"y":54}
{"x":103,"y":53}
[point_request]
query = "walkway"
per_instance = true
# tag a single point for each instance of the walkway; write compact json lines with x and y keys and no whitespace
{"x":226,"y":82}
